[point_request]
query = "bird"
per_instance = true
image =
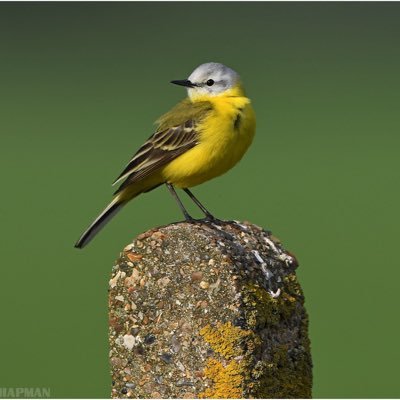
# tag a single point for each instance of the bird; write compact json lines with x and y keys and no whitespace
{"x":201,"y":138}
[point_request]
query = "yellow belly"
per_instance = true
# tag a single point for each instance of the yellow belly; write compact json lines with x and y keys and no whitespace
{"x":222,"y":144}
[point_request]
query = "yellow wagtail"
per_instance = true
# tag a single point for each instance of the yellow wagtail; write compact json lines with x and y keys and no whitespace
{"x":201,"y":138}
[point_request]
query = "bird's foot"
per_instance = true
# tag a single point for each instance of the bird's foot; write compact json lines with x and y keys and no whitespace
{"x":209,"y":217}
{"x":190,"y":219}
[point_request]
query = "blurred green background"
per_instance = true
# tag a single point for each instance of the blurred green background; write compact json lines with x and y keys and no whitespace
{"x":81,"y":84}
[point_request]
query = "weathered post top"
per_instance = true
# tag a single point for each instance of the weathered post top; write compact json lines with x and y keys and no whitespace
{"x":208,"y":310}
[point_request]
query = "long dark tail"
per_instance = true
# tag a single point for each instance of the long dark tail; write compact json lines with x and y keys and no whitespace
{"x":100,"y":222}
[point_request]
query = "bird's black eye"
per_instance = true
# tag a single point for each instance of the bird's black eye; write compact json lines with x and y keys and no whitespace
{"x":210,"y":82}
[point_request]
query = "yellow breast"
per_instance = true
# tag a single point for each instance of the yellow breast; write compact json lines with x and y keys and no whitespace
{"x":225,"y":135}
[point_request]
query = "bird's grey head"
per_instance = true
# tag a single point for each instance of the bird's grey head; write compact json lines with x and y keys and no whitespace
{"x":210,"y":79}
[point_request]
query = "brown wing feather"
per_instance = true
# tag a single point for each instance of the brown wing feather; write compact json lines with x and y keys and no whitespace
{"x":176,"y":133}
{"x":161,"y":148}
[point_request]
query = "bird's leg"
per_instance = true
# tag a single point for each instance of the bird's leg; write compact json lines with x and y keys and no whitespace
{"x":198,"y":204}
{"x":178,"y":200}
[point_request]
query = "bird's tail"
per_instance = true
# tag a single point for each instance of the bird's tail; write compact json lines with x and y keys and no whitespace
{"x":100,"y":222}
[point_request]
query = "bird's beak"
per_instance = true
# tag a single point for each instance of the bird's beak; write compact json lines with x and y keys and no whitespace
{"x":184,"y":82}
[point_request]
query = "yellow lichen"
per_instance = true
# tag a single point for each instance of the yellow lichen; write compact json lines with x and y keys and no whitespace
{"x":279,"y":377}
{"x":236,"y":370}
{"x":225,"y":338}
{"x":227,"y":380}
{"x":265,"y":310}
{"x":227,"y":375}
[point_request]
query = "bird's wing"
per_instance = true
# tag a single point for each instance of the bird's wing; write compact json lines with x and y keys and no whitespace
{"x":176,"y":133}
